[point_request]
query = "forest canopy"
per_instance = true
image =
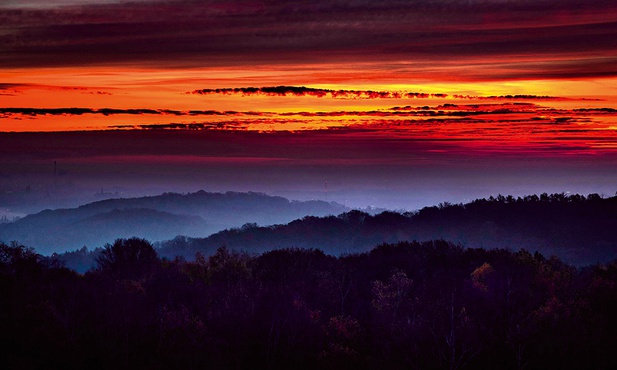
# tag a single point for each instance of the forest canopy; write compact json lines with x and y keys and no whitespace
{"x":421,"y":305}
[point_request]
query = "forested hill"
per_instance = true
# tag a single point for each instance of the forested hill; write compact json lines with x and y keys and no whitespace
{"x":579,"y":229}
{"x":155,"y":218}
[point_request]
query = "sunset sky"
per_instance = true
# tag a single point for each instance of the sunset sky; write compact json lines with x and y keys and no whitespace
{"x":396,"y":104}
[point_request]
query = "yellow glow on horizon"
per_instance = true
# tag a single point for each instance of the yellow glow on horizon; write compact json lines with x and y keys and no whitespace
{"x":143,"y":88}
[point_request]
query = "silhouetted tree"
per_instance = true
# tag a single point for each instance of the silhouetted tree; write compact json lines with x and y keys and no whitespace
{"x":128,"y":258}
{"x":16,"y":258}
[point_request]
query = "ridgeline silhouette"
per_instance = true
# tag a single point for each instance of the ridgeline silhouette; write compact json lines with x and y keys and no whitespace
{"x":578,"y":229}
{"x":155,"y":218}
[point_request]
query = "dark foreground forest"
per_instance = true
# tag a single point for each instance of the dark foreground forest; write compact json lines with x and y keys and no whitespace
{"x":429,"y":305}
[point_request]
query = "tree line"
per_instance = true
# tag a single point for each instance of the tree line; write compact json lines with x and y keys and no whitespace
{"x":425,"y":305}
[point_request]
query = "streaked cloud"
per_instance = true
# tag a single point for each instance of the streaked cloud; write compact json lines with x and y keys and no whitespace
{"x":20,"y":88}
{"x":386,"y":140}
{"x":520,"y":97}
{"x":443,"y":110}
{"x":316,"y":92}
{"x":509,"y":128}
{"x":366,"y":94}
{"x":517,"y":39}
{"x":81,"y":111}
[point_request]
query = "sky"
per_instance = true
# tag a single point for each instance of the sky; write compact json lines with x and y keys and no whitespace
{"x":393,"y":104}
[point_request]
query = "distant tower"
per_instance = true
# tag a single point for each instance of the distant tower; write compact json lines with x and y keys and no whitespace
{"x":326,"y":187}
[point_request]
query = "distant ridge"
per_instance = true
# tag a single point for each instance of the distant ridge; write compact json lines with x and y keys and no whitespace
{"x":580,"y":230}
{"x":156,"y":218}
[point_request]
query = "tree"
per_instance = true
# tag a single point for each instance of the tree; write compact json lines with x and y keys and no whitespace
{"x":128,"y":258}
{"x":16,"y":258}
{"x":390,"y":298}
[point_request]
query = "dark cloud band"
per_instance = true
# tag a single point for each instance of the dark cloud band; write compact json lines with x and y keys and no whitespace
{"x":365,"y":94}
{"x":81,"y":111}
{"x":320,"y":93}
{"x":518,"y":39}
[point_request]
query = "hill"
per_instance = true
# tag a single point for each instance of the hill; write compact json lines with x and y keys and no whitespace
{"x":578,"y":229}
{"x":155,"y":218}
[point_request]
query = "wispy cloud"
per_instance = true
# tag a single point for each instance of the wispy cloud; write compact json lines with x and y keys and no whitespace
{"x":390,"y":140}
{"x":7,"y":86}
{"x":19,"y":88}
{"x":520,"y":97}
{"x":10,"y":89}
